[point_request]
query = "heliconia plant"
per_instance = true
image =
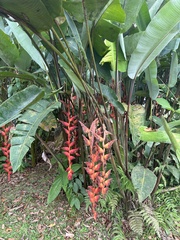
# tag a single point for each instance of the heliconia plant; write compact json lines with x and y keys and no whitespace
{"x":6,"y":150}
{"x":70,"y":148}
{"x":99,"y":154}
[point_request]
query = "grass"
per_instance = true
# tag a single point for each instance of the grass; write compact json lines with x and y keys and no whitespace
{"x":25,"y":214}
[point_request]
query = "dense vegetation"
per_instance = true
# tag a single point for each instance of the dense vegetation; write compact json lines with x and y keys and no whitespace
{"x":93,"y":88}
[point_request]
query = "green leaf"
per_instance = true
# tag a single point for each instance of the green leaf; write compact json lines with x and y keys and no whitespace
{"x":110,"y":95}
{"x":55,"y":189}
{"x":155,"y":7}
{"x":144,"y":181}
{"x":174,"y":171}
{"x":151,"y":80}
{"x":77,"y":38}
{"x":164,"y":103}
{"x":38,"y":14}
{"x":143,"y":17}
{"x":26,"y":43}
{"x":159,"y":136}
{"x":172,"y":138}
{"x":76,"y":167}
{"x":12,"y":107}
{"x":136,"y":120}
{"x":79,"y":183}
{"x":112,"y":55}
{"x":174,"y":71}
{"x":75,"y":202}
{"x":93,"y":8}
{"x":80,"y":83}
{"x":23,"y":135}
{"x":160,"y":31}
{"x":131,"y":8}
{"x":131,"y":42}
{"x":8,"y":51}
{"x":25,"y":76}
{"x":75,"y":187}
{"x":107,"y":25}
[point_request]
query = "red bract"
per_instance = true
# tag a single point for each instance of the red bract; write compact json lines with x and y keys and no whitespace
{"x":70,"y":125}
{"x":6,"y":150}
{"x":96,"y":140}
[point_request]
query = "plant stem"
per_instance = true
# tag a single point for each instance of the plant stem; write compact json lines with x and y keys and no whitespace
{"x":51,"y":152}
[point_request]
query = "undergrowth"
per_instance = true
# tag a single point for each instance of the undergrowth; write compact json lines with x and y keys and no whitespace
{"x":159,"y":221}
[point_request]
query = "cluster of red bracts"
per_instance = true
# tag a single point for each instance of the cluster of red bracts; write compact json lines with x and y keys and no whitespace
{"x":6,"y":150}
{"x":96,"y":167}
{"x":70,"y":148}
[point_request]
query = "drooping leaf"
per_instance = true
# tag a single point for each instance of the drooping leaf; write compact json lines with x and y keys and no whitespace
{"x":110,"y":95}
{"x":160,"y":31}
{"x":38,"y":14}
{"x":26,"y":43}
{"x":136,"y":120}
{"x":23,"y":135}
{"x":8,"y":51}
{"x":12,"y":107}
{"x":144,"y":181}
{"x":174,"y":71}
{"x":25,"y":76}
{"x":60,"y":183}
{"x":151,"y":80}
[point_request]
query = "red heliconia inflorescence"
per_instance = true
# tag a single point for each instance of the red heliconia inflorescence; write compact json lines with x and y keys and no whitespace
{"x":70,"y":148}
{"x":6,"y":150}
{"x":96,"y":140}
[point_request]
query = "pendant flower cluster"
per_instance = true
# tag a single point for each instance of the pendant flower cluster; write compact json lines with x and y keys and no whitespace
{"x":96,"y":141}
{"x":70,"y":148}
{"x":6,"y":150}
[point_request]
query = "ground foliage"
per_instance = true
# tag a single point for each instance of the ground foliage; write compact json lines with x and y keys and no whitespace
{"x":25,"y":213}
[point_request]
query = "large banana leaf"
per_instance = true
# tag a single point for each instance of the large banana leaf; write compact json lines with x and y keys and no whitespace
{"x":12,"y":107}
{"x":131,"y":8}
{"x":38,"y":14}
{"x":25,"y":41}
{"x":160,"y":31}
{"x":93,"y":8}
{"x":25,"y":131}
{"x":8,"y":51}
{"x":107,"y":25}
